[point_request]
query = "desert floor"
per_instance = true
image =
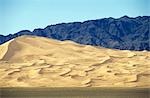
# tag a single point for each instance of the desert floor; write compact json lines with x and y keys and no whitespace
{"x":74,"y":92}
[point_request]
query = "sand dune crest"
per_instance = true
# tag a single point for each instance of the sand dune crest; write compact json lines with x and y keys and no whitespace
{"x":30,"y":61}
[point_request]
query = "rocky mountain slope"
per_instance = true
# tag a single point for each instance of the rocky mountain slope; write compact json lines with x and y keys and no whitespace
{"x":122,"y":33}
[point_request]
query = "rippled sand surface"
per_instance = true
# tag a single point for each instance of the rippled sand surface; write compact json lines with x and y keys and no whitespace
{"x":30,"y":61}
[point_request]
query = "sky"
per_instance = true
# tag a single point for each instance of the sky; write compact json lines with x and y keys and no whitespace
{"x":17,"y":15}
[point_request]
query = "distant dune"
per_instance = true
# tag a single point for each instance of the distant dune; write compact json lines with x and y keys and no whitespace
{"x":30,"y":61}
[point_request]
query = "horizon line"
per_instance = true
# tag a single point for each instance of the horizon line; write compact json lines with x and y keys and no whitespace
{"x":131,"y":17}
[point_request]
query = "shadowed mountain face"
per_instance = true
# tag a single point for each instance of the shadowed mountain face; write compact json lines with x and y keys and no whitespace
{"x":122,"y":33}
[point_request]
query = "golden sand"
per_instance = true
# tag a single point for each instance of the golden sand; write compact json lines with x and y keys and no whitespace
{"x":29,"y":61}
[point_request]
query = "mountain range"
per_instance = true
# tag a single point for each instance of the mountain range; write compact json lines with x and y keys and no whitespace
{"x":125,"y":33}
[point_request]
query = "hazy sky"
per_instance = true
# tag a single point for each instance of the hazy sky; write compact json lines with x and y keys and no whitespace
{"x":16,"y":15}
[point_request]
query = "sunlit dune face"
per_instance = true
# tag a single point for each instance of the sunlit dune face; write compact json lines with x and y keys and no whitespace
{"x":39,"y":62}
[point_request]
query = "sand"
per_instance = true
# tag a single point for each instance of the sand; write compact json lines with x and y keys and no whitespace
{"x":30,"y":61}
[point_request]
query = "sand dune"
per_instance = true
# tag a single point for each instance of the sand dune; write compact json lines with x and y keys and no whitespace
{"x":30,"y":61}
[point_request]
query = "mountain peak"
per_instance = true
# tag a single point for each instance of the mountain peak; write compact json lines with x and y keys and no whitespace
{"x":125,"y":16}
